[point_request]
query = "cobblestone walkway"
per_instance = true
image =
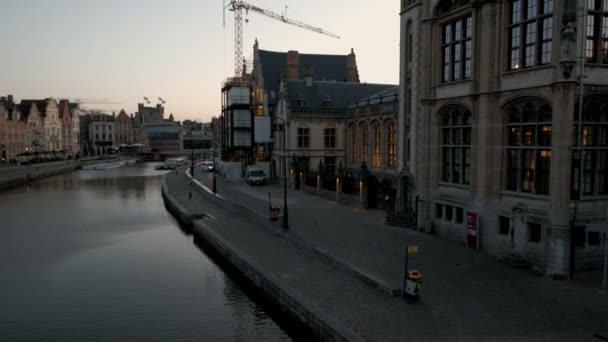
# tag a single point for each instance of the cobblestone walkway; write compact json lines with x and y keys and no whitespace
{"x":466,"y":295}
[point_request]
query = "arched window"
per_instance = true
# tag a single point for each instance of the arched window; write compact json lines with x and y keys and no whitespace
{"x":391,"y":144}
{"x":377,"y":145}
{"x":456,"y":145}
{"x":529,"y":147}
{"x":595,"y":145}
{"x":364,"y":142}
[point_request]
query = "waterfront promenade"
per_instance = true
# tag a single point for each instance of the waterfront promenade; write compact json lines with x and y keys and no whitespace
{"x":15,"y":175}
{"x":466,"y":295}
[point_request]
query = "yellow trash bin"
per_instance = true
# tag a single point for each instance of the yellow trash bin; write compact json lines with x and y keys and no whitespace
{"x":413,"y":284}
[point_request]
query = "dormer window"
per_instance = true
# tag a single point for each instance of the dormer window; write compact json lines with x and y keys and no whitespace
{"x":301,"y":101}
{"x":327,"y":101}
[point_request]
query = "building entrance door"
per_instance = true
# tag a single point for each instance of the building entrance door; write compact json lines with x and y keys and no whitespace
{"x":519,"y":230}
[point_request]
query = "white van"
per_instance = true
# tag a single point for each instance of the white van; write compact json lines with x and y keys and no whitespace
{"x":255,"y":175}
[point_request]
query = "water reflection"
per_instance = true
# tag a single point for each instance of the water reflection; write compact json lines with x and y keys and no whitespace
{"x":94,"y":255}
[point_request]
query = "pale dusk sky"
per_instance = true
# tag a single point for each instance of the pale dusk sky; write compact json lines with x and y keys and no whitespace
{"x":122,"y":50}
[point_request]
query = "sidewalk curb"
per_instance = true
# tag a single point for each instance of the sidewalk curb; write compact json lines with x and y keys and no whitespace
{"x":324,"y":325}
{"x":295,"y":238}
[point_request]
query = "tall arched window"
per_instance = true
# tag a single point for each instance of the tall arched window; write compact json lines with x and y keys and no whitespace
{"x":364,"y":142}
{"x":377,"y":145}
{"x":391,"y":144}
{"x":529,"y":147}
{"x":595,"y":145}
{"x":456,"y":145}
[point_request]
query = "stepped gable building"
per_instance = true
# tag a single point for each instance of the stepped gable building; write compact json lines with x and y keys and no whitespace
{"x":124,"y":129}
{"x":14,"y":130}
{"x":67,"y":129}
{"x":47,"y":111}
{"x":490,"y":97}
{"x":270,"y":67}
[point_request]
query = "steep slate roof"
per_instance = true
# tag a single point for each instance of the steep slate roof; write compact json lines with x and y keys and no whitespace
{"x":26,"y":106}
{"x":388,"y":95}
{"x":341,"y":94}
{"x":326,"y":67}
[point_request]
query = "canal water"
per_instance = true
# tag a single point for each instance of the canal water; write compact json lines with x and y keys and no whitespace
{"x":95,"y":256}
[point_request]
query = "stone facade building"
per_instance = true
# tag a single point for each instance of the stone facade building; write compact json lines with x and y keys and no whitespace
{"x":371,"y":138}
{"x":14,"y":130}
{"x":315,"y":113}
{"x":102,"y":132}
{"x":489,"y":100}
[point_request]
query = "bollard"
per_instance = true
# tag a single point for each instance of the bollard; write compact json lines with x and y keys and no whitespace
{"x":190,"y":195}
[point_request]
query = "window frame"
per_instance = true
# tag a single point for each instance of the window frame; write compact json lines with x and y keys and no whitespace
{"x":329,"y":135}
{"x":596,"y":32}
{"x":391,"y":144}
{"x":455,"y":145}
{"x":529,"y":49}
{"x":303,"y":137}
{"x":594,"y":173}
{"x":528,"y":150}
{"x":377,"y":145}
{"x":457,"y":45}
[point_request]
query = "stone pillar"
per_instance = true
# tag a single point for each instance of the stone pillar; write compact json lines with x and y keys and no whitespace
{"x":301,"y":175}
{"x":558,"y":230}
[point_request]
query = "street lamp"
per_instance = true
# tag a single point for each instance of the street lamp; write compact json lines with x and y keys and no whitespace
{"x":283,"y":127}
{"x":192,"y":153}
{"x":214,"y":170}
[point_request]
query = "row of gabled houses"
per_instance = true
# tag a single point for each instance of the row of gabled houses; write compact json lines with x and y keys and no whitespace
{"x":36,"y":127}
{"x":494,"y":138}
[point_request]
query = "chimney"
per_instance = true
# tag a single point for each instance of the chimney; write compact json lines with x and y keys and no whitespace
{"x":293,"y":65}
{"x":308,"y":72}
{"x":352,"y":74}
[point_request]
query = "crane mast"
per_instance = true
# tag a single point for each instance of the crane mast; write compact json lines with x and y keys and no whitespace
{"x":237,"y":6}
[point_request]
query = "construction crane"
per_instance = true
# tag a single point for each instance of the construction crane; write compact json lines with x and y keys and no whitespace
{"x":237,"y":6}
{"x":89,"y":101}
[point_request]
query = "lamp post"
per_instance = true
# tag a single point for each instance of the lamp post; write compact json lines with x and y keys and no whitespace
{"x":191,"y":153}
{"x":284,"y":166}
{"x":214,"y":170}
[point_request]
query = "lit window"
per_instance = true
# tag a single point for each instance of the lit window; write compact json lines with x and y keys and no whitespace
{"x":377,"y":146}
{"x":529,"y":148}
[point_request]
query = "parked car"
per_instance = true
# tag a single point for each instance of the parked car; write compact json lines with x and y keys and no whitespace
{"x":255,"y":175}
{"x":207,"y":165}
